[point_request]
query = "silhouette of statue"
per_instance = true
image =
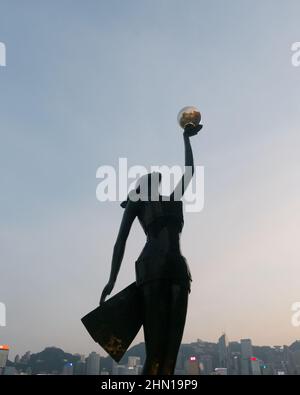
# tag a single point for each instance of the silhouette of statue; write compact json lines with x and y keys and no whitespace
{"x":162,"y":273}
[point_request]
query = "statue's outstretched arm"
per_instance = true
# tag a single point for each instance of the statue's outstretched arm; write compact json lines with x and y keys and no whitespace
{"x":119,"y":247}
{"x":189,"y":131}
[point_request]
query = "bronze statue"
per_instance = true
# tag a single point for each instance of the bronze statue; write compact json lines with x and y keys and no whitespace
{"x":162,"y":274}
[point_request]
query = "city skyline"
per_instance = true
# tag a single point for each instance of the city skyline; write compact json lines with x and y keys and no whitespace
{"x":197,"y":358}
{"x":87,"y":83}
{"x":103,"y":353}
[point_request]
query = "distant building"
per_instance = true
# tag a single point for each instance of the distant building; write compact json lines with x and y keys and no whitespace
{"x":79,"y":365}
{"x":133,"y":361}
{"x":131,"y":370}
{"x":255,"y":366}
{"x":115,"y":366}
{"x":134,"y":365}
{"x":68,"y":369}
{"x":221,"y":372}
{"x":223,"y":351}
{"x":93,"y":364}
{"x":79,"y":368}
{"x":246,"y":348}
{"x":121,"y":370}
{"x":266,"y":370}
{"x":246,"y":354}
{"x":81,"y":357}
{"x":280,"y":372}
{"x":192,"y":366}
{"x":10,"y":371}
{"x":206,"y":364}
{"x":4,"y":350}
{"x":292,"y":358}
{"x":235,"y":364}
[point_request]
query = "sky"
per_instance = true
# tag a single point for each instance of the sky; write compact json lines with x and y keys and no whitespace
{"x":89,"y":82}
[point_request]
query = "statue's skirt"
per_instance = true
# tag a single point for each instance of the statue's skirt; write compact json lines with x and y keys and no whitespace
{"x":115,"y":323}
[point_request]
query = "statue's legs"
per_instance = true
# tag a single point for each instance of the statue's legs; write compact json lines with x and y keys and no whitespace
{"x":164,"y":306}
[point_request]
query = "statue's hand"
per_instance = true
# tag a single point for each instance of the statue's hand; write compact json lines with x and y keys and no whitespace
{"x":191,"y":130}
{"x":106,"y":291}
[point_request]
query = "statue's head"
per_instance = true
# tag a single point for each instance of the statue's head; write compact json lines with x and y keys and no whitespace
{"x":148,"y":185}
{"x":147,"y":188}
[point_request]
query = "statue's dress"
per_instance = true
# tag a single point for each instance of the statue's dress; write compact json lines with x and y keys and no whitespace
{"x":161,"y":258}
{"x":115,"y":323}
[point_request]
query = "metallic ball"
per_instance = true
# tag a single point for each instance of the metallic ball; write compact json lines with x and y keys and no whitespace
{"x":187,"y":115}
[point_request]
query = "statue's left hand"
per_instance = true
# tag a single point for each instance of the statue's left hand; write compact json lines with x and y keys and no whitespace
{"x":106,"y":291}
{"x":191,"y":130}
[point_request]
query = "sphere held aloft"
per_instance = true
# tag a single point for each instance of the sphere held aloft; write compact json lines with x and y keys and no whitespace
{"x":187,"y":115}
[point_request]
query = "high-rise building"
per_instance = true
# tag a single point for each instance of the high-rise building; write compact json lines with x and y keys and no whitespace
{"x":255,"y":366}
{"x":223,"y":351}
{"x":133,"y":362}
{"x":134,"y":365}
{"x":192,"y":366}
{"x":93,"y":364}
{"x":79,"y":368}
{"x":79,"y":365}
{"x":4,"y":350}
{"x":130,"y":370}
{"x":68,"y":369}
{"x":235,"y":363}
{"x":246,"y":348}
{"x":206,"y":364}
{"x":139,"y":369}
{"x":246,"y":354}
{"x":296,"y":359}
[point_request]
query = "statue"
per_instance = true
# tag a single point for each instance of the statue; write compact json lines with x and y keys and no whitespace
{"x":159,"y":297}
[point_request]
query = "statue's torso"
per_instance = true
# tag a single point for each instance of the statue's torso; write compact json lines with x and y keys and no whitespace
{"x":161,"y":256}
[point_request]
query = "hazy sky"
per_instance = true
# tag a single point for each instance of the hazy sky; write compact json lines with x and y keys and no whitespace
{"x":88,"y":82}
